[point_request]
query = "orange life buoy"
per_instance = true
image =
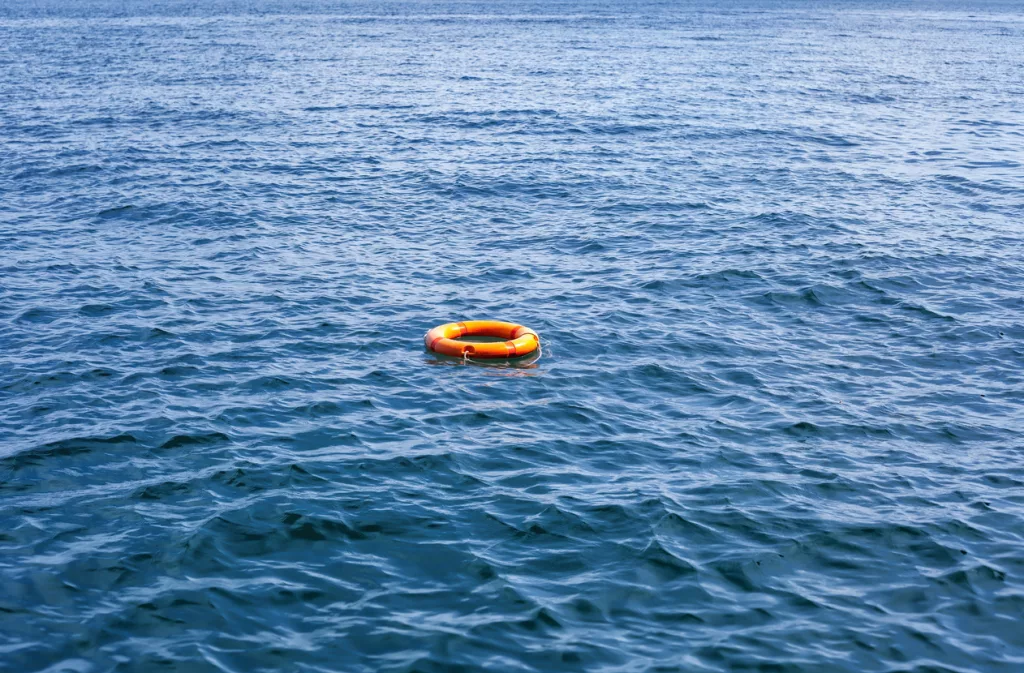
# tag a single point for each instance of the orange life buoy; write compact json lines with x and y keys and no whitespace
{"x":519,"y":340}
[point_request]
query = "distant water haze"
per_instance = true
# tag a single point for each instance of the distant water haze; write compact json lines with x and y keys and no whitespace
{"x":773,"y":251}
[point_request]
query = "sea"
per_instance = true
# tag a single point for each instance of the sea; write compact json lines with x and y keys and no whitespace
{"x":774,"y":251}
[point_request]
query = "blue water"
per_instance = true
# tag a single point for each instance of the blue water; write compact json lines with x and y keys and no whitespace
{"x":773,"y":250}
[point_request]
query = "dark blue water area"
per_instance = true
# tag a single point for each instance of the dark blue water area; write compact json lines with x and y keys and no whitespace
{"x":773,"y":250}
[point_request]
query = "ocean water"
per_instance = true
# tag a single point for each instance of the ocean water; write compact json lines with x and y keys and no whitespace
{"x":773,"y":250}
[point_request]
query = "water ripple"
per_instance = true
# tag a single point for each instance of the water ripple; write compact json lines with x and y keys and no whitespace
{"x":776,"y":420}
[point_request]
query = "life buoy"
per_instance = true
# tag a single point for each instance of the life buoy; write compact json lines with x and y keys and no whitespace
{"x":519,"y":340}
